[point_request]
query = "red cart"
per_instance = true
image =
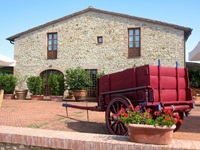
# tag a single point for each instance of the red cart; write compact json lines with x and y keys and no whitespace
{"x":154,"y":87}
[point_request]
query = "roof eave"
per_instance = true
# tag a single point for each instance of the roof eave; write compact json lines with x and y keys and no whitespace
{"x":187,"y":31}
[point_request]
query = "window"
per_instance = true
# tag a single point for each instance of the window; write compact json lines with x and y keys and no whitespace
{"x":93,"y":77}
{"x":52,"y":46}
{"x":99,"y":39}
{"x":134,"y":42}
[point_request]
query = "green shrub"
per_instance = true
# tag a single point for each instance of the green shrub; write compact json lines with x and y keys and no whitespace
{"x":57,"y":85}
{"x":100,"y":74}
{"x":194,"y":77}
{"x":77,"y":79}
{"x":8,"y":83}
{"x":35,"y":85}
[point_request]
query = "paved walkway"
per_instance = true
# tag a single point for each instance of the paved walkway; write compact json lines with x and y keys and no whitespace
{"x":52,"y":116}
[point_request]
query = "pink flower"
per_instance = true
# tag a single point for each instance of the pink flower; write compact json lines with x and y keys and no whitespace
{"x":137,"y":108}
{"x":130,"y":106}
{"x":126,"y":115}
{"x":167,"y":111}
{"x":175,"y":120}
{"x":157,"y":113}
{"x":157,"y":118}
{"x":167,"y":118}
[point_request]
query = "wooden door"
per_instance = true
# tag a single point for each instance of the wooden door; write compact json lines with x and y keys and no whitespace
{"x":45,"y":76}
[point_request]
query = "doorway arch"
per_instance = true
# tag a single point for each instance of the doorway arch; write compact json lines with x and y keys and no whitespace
{"x":45,"y":76}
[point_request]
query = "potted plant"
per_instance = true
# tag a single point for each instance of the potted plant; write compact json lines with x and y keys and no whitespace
{"x":146,"y":126}
{"x":35,"y":87}
{"x":21,"y":88}
{"x":78,"y":81}
{"x":57,"y":86}
{"x":71,"y":94}
{"x":8,"y":83}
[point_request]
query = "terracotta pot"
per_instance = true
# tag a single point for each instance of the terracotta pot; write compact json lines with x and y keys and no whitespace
{"x":9,"y":96}
{"x":37,"y":97}
{"x":71,"y":94}
{"x":194,"y":93}
{"x":21,"y":94}
{"x":149,"y":134}
{"x":80,"y":95}
{"x":56,"y":98}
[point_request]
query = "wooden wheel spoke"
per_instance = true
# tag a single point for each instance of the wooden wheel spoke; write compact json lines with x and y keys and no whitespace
{"x":116,"y":128}
{"x":114,"y":125}
{"x":114,"y":109}
{"x":117,"y":106}
{"x":120,"y":128}
{"x":123,"y":127}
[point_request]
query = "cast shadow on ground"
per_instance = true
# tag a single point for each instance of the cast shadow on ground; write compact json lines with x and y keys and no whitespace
{"x":86,"y":126}
{"x":190,"y":124}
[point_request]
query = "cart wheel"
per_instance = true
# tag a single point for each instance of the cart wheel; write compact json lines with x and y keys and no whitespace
{"x":178,"y":125}
{"x":115,"y":126}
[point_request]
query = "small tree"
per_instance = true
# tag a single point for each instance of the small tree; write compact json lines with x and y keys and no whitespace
{"x":8,"y":83}
{"x":35,"y":85}
{"x":77,"y":79}
{"x":100,"y":74}
{"x":56,"y":82}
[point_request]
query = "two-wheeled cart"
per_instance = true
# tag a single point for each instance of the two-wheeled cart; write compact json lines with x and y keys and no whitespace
{"x":154,"y":87}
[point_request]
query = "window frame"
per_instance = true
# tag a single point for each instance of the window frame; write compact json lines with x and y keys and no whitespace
{"x":98,"y":39}
{"x":52,"y":54}
{"x":93,"y":78}
{"x":134,"y":51}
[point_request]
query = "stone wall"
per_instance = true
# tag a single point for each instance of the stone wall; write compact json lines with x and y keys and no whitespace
{"x":77,"y":45}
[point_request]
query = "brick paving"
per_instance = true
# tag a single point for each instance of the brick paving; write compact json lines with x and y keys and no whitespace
{"x":51,"y":115}
{"x":31,"y":116}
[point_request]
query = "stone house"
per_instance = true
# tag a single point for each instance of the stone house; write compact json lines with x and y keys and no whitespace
{"x":98,"y":41}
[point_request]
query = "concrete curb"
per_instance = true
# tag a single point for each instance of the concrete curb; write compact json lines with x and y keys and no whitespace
{"x":82,"y":141}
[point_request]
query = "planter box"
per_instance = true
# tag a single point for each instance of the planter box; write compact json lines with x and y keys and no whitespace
{"x":9,"y":96}
{"x":37,"y":97}
{"x":56,"y":98}
{"x":149,"y":134}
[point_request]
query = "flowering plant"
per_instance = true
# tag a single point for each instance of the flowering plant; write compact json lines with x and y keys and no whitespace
{"x":137,"y":115}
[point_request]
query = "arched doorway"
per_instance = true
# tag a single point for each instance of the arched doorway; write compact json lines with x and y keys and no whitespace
{"x":45,"y":76}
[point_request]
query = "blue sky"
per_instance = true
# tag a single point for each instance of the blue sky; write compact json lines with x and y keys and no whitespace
{"x":19,"y":15}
